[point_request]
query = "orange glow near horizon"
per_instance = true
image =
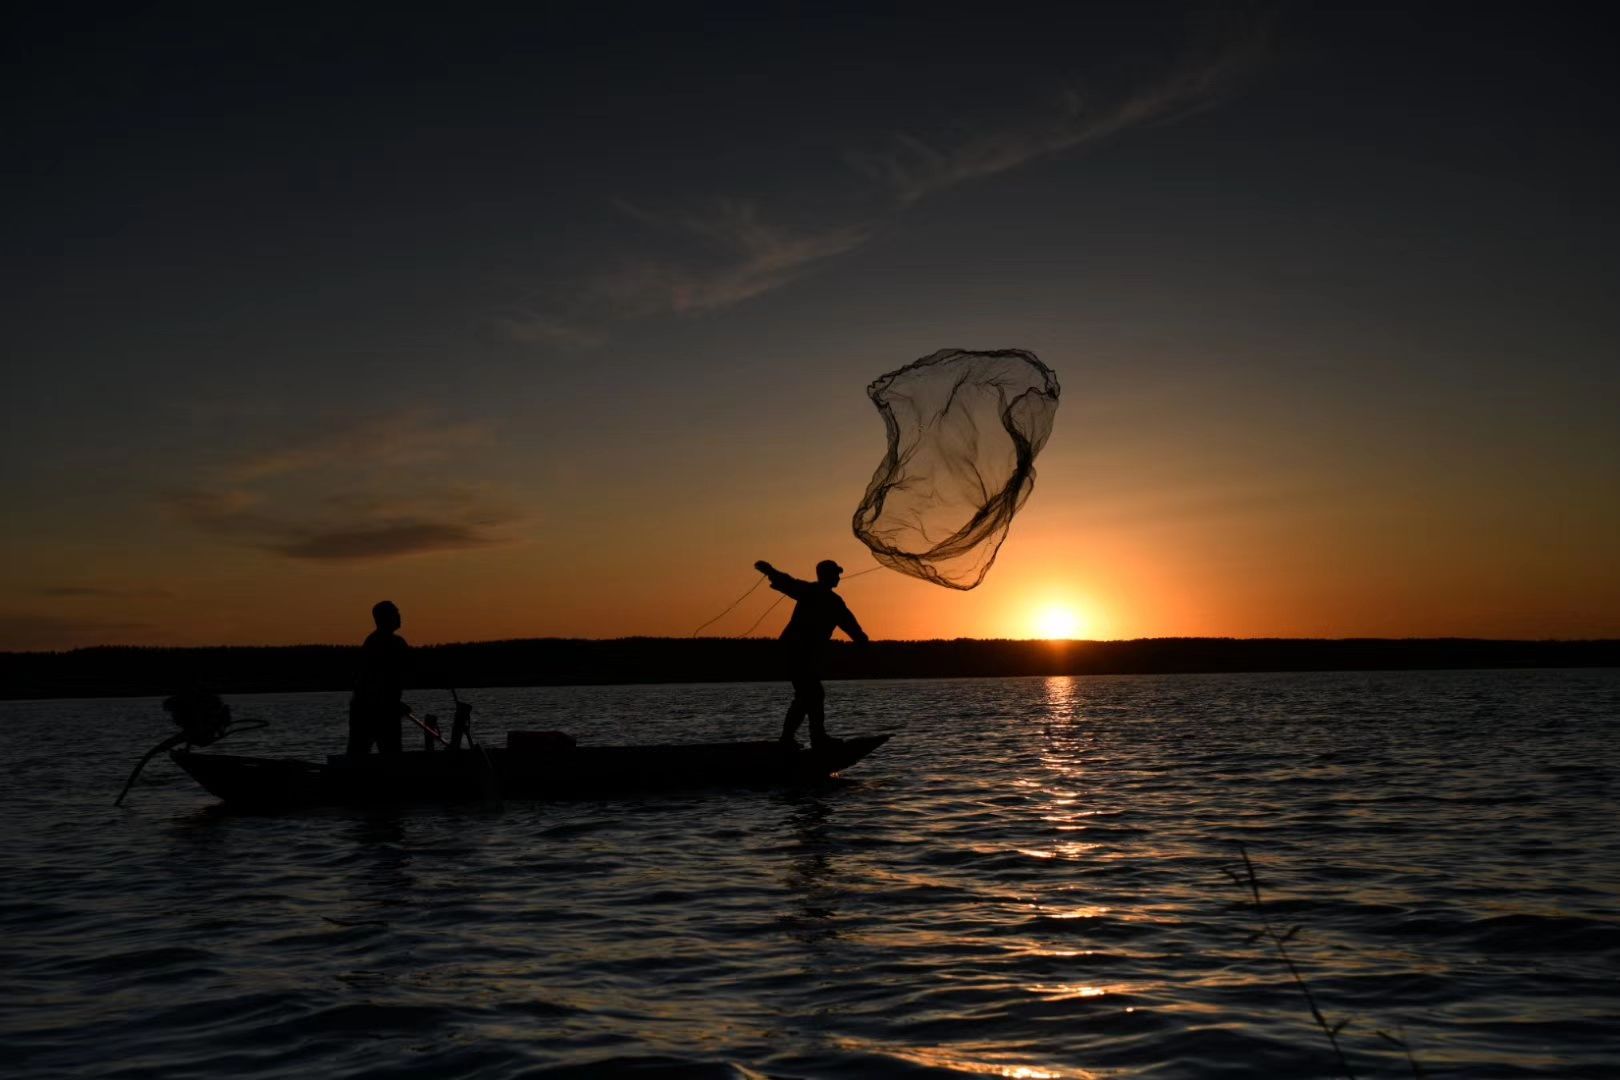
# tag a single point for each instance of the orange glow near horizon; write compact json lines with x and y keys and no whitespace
{"x":1083,"y":561}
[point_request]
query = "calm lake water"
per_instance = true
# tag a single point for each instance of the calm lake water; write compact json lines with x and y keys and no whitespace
{"x":1030,"y":880}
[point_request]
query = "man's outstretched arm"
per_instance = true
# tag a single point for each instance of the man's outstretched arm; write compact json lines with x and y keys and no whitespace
{"x":782,"y":583}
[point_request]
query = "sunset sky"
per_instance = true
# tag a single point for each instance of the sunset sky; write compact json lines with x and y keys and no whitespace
{"x":552,"y":323}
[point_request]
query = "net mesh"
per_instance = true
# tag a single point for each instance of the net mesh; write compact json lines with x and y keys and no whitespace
{"x":964,"y":428}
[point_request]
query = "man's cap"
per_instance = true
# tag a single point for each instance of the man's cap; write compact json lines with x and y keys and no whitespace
{"x":826,"y":565}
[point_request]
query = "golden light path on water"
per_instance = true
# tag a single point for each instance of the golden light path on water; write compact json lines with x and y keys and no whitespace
{"x":1027,"y":882}
{"x":1068,"y":813}
{"x":991,"y":1063}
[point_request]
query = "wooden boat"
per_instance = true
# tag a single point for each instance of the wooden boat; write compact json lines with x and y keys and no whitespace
{"x":524,"y":769}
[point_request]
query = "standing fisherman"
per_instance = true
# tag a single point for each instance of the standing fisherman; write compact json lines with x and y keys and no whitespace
{"x":375,"y":709}
{"x":817,"y":612}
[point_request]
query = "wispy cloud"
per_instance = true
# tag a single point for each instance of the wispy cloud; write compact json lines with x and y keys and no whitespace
{"x":334,"y":533}
{"x":368,"y":491}
{"x":746,"y":256}
{"x":914,"y":168}
{"x":222,"y":513}
{"x":386,"y":540}
{"x":398,"y":439}
{"x":533,"y":328}
{"x":734,"y":254}
{"x":737,"y":252}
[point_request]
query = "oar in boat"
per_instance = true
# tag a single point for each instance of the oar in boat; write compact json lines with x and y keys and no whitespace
{"x":488,"y":779}
{"x":425,"y":726}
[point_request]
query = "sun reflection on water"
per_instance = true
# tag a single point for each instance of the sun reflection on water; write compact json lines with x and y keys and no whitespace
{"x":977,"y":1060}
{"x":1068,"y":991}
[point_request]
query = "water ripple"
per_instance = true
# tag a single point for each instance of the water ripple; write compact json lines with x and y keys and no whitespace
{"x":1031,"y":880}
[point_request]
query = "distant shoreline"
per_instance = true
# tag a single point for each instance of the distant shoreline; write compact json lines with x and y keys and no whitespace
{"x":135,"y":671}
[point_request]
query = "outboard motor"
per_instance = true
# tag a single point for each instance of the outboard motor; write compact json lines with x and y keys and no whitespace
{"x":202,"y":716}
{"x":203,"y":719}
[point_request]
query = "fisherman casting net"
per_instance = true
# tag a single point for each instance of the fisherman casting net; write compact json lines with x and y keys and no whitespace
{"x":964,"y":429}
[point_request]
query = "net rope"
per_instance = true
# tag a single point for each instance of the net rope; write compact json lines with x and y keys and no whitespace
{"x":732,"y":607}
{"x":762,"y":579}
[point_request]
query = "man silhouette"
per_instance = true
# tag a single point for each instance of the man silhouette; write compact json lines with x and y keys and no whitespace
{"x":819,"y":610}
{"x":375,"y":709}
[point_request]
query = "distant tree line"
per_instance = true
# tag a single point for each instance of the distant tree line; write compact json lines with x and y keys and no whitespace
{"x":118,"y":671}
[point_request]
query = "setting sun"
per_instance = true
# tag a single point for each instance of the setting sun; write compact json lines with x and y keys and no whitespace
{"x":1057,"y":623}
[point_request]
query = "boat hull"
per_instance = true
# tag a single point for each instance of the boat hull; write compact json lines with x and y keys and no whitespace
{"x":473,"y":775}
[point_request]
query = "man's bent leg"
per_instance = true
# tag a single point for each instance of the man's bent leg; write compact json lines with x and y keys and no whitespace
{"x":815,"y":701}
{"x":796,"y":712}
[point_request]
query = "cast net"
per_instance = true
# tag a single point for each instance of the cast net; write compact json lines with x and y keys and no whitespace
{"x":964,"y":429}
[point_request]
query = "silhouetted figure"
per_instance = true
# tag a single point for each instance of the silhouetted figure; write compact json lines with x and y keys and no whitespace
{"x":375,"y":709}
{"x":819,"y":610}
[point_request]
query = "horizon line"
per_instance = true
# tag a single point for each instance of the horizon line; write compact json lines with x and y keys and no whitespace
{"x":839,"y":643}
